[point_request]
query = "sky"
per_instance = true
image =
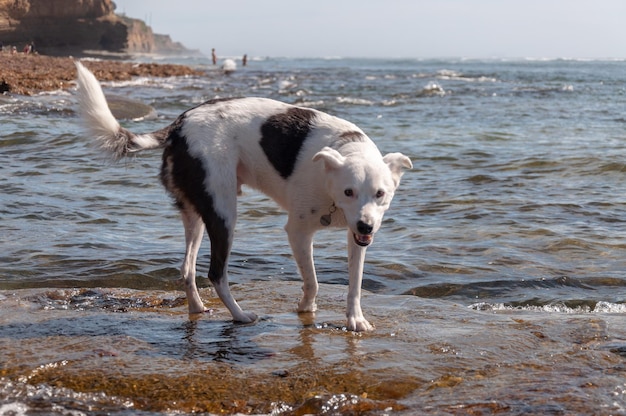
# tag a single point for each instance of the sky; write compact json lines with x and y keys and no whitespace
{"x":391,"y":28}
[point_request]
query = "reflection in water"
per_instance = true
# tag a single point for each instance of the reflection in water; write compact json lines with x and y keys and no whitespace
{"x":223,"y":342}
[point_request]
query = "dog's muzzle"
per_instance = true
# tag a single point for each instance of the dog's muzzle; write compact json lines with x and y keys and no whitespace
{"x":364,"y":237}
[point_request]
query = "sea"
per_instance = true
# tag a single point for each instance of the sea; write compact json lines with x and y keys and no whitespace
{"x":496,"y":285}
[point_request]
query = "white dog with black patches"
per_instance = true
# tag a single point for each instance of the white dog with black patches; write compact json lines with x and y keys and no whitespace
{"x":324,"y":171}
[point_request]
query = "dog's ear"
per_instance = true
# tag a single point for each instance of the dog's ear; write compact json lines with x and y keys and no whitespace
{"x":397,"y":163}
{"x":332,"y":158}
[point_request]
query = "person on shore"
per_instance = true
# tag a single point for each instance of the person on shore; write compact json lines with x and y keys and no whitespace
{"x":214,"y":56}
{"x":244,"y":60}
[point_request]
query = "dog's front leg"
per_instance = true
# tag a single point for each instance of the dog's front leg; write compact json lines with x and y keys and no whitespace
{"x":301,"y":242}
{"x":356,"y":259}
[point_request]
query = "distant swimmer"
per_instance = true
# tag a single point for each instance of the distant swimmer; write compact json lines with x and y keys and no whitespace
{"x":244,"y":60}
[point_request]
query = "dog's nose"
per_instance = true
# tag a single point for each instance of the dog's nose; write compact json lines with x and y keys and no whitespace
{"x":364,"y":228}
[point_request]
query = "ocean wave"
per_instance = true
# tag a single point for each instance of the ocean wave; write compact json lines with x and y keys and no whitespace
{"x":602,"y":307}
{"x":354,"y":101}
{"x":448,"y":74}
{"x":310,"y":104}
{"x":49,"y":103}
{"x":287,"y":85}
{"x":452,"y":75}
{"x":25,"y":398}
{"x":134,"y":82}
{"x":432,"y":88}
{"x":55,"y":93}
{"x":541,"y":90}
{"x":562,"y":59}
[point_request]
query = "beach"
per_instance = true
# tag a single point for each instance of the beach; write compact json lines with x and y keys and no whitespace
{"x":495,"y":284}
{"x":29,"y":74}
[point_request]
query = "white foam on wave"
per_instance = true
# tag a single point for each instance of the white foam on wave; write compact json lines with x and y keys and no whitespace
{"x":21,"y":394}
{"x":134,"y":82}
{"x":600,"y":307}
{"x":432,"y":88}
{"x":55,"y":93}
{"x":354,"y":101}
{"x":288,"y":84}
{"x":562,"y":58}
{"x":15,"y":408}
{"x":311,"y":104}
{"x":448,"y":74}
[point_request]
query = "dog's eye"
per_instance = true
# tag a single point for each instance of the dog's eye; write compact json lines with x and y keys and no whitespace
{"x":380,"y":194}
{"x":349,"y":193}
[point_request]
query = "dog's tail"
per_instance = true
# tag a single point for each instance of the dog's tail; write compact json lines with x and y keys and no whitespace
{"x":101,"y":123}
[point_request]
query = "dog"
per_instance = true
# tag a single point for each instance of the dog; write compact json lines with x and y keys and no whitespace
{"x":324,"y":171}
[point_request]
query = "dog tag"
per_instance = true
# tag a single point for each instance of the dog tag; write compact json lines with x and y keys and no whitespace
{"x":326,"y":219}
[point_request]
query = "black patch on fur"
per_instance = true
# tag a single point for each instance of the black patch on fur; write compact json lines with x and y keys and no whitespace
{"x":184,"y":176}
{"x":282,"y":136}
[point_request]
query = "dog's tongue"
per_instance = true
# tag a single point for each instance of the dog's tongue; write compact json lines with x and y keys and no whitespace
{"x":363,"y":240}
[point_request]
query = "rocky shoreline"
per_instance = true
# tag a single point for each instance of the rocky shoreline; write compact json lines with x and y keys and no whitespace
{"x":28,"y":74}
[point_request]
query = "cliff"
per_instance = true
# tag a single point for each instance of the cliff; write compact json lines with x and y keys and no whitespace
{"x":63,"y":27}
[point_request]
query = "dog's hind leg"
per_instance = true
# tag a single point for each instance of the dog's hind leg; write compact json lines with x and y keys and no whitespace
{"x":199,"y":191}
{"x":220,"y":228}
{"x":301,"y":242}
{"x":194,"y":231}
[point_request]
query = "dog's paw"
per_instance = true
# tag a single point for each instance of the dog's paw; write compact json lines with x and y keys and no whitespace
{"x":359,"y":324}
{"x":199,"y":308}
{"x":246,"y":318}
{"x":306,"y":306}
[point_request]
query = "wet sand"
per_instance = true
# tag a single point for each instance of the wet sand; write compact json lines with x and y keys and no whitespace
{"x":115,"y":349}
{"x":30,"y":74}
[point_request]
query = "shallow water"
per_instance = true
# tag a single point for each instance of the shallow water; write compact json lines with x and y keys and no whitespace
{"x":127,"y":351}
{"x":496,"y":282}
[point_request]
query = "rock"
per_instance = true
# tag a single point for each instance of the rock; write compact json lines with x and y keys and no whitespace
{"x":229,"y":66}
{"x":126,"y":109}
{"x":30,"y":74}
